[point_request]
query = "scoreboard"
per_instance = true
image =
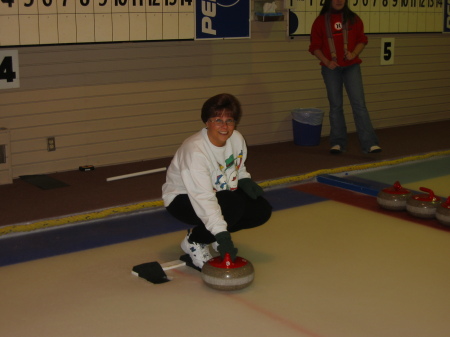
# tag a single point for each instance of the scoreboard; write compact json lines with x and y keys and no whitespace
{"x":38,"y":22}
{"x":44,"y":22}
{"x":379,"y":16}
{"x":51,"y":22}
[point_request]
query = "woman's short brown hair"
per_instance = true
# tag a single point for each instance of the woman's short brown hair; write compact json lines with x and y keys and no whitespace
{"x":221,"y":104}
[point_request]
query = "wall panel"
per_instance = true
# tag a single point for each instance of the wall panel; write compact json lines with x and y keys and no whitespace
{"x":114,"y":103}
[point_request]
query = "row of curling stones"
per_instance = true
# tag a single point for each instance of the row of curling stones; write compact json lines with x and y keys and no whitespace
{"x":224,"y":274}
{"x":427,"y":206}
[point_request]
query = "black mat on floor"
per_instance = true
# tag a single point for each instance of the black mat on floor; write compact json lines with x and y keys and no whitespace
{"x":151,"y":271}
{"x":43,"y":181}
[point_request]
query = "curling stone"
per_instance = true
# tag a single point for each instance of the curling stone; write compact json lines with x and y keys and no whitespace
{"x":443,"y":212}
{"x":393,"y":198}
{"x":224,"y":274}
{"x":423,"y":205}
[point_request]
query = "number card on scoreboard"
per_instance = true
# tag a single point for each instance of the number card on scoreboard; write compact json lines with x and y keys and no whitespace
{"x":379,"y":16}
{"x":38,"y":22}
{"x":387,"y":51}
{"x":9,"y":69}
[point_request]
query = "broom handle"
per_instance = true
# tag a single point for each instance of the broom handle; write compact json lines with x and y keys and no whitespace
{"x":131,"y":175}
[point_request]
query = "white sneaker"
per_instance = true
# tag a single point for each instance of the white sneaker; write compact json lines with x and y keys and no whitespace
{"x":199,"y":252}
{"x":375,"y":149}
{"x":336,"y":149}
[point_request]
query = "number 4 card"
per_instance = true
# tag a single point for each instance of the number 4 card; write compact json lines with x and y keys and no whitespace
{"x":9,"y":69}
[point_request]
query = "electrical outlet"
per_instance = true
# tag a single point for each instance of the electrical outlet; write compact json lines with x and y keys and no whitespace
{"x":51,"y":144}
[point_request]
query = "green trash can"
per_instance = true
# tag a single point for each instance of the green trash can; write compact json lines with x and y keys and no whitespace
{"x":307,"y":126}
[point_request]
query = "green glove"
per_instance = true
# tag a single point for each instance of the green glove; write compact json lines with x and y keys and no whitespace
{"x":225,"y":245}
{"x":252,"y":189}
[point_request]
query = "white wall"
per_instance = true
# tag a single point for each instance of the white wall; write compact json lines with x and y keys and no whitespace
{"x":116,"y":103}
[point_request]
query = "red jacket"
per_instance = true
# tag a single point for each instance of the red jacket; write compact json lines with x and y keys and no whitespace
{"x":319,"y":38}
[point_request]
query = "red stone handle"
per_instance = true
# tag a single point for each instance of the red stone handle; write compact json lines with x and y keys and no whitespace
{"x":430,"y":193}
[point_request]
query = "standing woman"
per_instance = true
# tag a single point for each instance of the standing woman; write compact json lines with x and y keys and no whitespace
{"x":208,"y":187}
{"x":337,"y":40}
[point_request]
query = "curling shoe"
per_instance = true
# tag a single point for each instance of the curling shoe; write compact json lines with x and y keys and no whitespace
{"x":199,"y":252}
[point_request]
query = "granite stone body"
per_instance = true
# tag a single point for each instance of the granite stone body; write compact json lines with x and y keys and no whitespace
{"x":443,"y":213}
{"x":224,"y":274}
{"x":393,"y":198}
{"x":423,"y":205}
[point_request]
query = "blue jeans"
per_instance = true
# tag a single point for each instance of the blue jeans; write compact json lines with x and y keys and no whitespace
{"x":351,"y":78}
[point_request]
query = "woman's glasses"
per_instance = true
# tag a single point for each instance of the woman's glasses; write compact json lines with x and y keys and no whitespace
{"x":220,"y":122}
